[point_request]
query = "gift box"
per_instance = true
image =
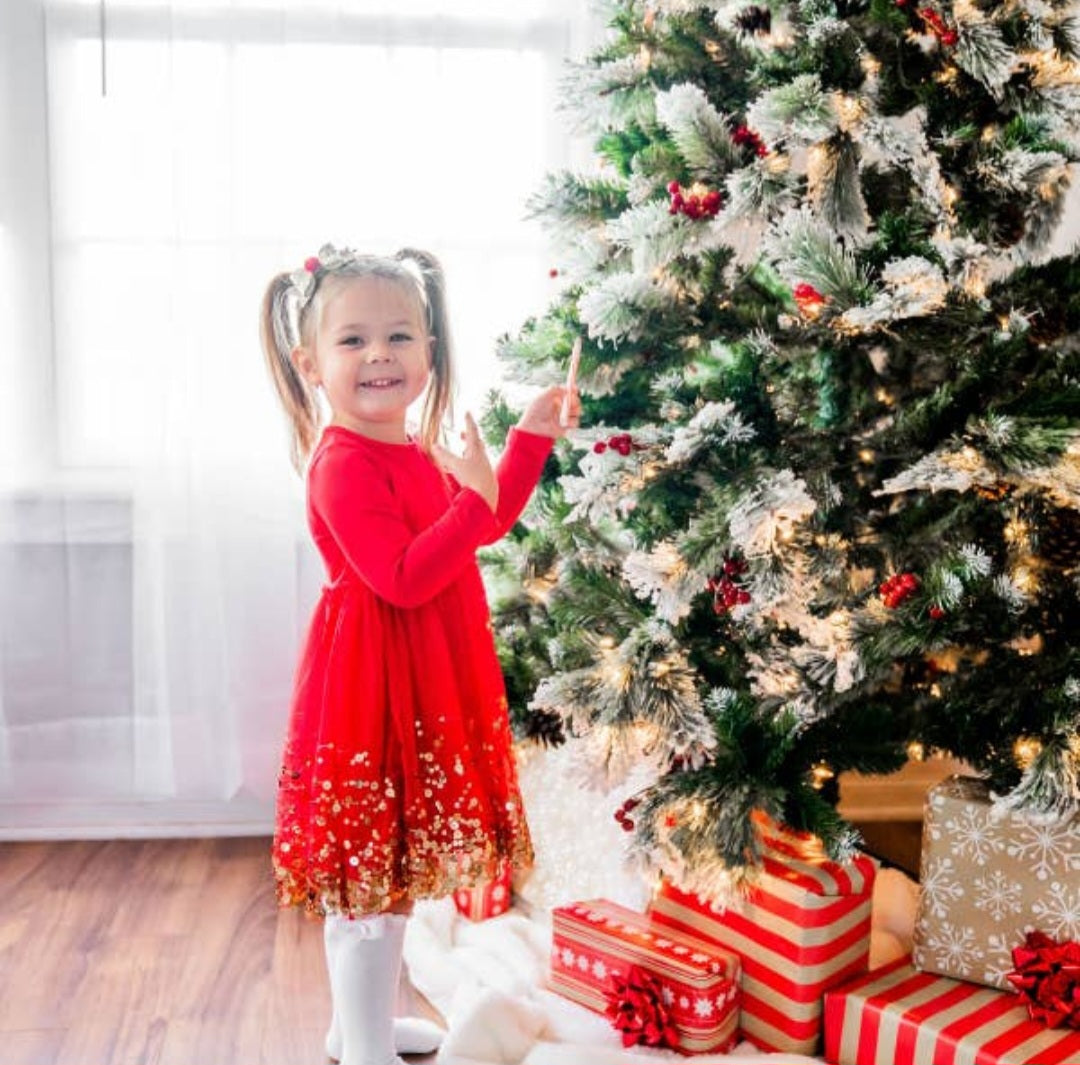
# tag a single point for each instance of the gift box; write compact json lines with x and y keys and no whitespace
{"x":487,"y":899}
{"x":898,"y":1015}
{"x":803,"y":927}
{"x":597,"y":944}
{"x":986,"y":878}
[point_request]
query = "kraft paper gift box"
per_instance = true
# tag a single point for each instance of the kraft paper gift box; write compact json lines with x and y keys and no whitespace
{"x":487,"y":899}
{"x":986,"y":879}
{"x":897,"y":1015}
{"x":594,"y":943}
{"x":804,"y":927}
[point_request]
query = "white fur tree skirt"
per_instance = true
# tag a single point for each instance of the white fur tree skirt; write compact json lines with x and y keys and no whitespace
{"x":489,"y":981}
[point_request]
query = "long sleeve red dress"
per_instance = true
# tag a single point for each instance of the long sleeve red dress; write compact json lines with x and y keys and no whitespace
{"x":398,"y":780}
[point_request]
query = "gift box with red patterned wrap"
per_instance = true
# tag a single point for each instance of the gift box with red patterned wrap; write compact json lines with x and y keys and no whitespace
{"x":488,"y":899}
{"x":802,"y":928}
{"x":597,"y":943}
{"x":897,"y":1015}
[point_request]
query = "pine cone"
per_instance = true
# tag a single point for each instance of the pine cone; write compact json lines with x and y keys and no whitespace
{"x":754,"y":19}
{"x":545,"y":728}
{"x":1059,"y":537}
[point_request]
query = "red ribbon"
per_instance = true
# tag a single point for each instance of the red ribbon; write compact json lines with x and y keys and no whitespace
{"x":636,"y":1008}
{"x":1046,"y":975}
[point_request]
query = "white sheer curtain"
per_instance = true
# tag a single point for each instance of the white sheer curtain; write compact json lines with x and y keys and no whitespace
{"x":159,"y":162}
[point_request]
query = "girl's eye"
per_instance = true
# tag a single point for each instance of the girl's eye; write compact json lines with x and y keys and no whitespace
{"x":400,"y":337}
{"x":351,"y":341}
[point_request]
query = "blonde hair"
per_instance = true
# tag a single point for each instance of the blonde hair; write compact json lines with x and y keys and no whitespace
{"x":292,"y":307}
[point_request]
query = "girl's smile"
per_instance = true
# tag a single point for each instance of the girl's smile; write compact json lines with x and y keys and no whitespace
{"x":372,"y":356}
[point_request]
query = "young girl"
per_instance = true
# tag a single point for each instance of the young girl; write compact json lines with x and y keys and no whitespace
{"x":398,"y":780}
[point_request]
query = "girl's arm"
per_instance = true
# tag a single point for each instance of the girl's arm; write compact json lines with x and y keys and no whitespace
{"x":401,"y":566}
{"x":518,"y":471}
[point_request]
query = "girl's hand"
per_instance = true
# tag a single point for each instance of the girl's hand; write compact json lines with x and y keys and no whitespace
{"x":542,"y":414}
{"x":471,"y":468}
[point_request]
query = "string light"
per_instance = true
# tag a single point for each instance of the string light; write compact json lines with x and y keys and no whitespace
{"x":1025,"y":751}
{"x":916,"y":752}
{"x":820,"y":775}
{"x":1015,"y":530}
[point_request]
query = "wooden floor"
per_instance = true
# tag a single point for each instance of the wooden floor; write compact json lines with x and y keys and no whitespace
{"x":155,"y":952}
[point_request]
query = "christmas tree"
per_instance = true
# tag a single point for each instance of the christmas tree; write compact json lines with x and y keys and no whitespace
{"x":826,"y":506}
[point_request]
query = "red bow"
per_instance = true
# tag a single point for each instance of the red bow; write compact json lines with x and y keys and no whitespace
{"x":1047,"y":978}
{"x":636,"y":1008}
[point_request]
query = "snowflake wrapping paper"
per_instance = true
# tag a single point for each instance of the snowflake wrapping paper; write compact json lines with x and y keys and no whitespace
{"x":803,"y":927}
{"x":596,"y":941}
{"x":487,"y":899}
{"x":897,"y":1015}
{"x":986,"y":879}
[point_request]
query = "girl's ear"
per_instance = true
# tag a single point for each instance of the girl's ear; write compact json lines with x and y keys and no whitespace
{"x":304,"y":361}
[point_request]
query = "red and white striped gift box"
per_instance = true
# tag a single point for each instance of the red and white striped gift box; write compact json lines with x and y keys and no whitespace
{"x":595,"y":942}
{"x":897,"y":1015}
{"x":487,"y":899}
{"x":804,"y":927}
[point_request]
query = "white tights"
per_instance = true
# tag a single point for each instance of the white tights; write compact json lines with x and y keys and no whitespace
{"x":363,"y":958}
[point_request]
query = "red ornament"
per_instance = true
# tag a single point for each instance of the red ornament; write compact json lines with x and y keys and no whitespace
{"x":747,"y":137}
{"x":808,"y":298}
{"x":698,"y":201}
{"x":623,"y":443}
{"x":553,"y":272}
{"x":1047,"y":978}
{"x":936,"y":612}
{"x":727,"y":594}
{"x":312,"y":264}
{"x":636,"y":1009}
{"x":944,"y":33}
{"x":898,"y":588}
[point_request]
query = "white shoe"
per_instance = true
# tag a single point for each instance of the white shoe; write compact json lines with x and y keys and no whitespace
{"x":412,"y":1035}
{"x":364,"y":962}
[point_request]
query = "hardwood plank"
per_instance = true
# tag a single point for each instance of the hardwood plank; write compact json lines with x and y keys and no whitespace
{"x":155,"y":952}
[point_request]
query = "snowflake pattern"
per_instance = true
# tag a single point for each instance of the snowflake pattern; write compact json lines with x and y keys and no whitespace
{"x":703,"y":1007}
{"x":974,"y":837}
{"x":599,"y":969}
{"x":998,"y":963}
{"x":667,"y":995}
{"x":953,"y":947}
{"x":1058,"y":912}
{"x":940,"y":887}
{"x":997,"y":894}
{"x":987,"y":879}
{"x":1045,"y":849}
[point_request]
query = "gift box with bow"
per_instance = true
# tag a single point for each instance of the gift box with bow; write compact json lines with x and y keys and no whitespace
{"x":657,"y":986}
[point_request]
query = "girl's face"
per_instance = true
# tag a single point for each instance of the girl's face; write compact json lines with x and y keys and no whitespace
{"x":372,"y":356}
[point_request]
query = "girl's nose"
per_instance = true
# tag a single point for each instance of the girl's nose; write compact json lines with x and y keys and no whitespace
{"x":377,"y":352}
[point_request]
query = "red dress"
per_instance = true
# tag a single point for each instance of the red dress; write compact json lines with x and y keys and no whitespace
{"x":398,"y":779}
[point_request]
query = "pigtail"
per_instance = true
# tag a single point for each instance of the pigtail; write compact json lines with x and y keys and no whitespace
{"x":439,"y":399}
{"x":278,"y":340}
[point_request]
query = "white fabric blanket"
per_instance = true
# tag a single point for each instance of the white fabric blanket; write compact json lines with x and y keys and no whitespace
{"x":489,"y":979}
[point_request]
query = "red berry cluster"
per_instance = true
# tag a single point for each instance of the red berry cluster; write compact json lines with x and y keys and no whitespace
{"x":940,"y":28}
{"x":808,"y":298}
{"x":623,"y":443}
{"x":936,"y":612}
{"x":727,"y":593}
{"x":898,"y":588}
{"x":694,"y":202}
{"x":750,"y":138}
{"x":622,"y":814}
